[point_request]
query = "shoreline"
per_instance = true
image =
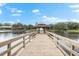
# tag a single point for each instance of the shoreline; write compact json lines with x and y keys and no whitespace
{"x":69,"y":31}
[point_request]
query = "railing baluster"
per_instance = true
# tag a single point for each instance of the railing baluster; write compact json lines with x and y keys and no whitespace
{"x":29,"y":37}
{"x":72,"y":48}
{"x":23,"y":42}
{"x":9,"y":49}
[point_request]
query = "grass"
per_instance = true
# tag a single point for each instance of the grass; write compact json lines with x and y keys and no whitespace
{"x":56,"y":30}
{"x":71,"y":31}
{"x":75,"y":31}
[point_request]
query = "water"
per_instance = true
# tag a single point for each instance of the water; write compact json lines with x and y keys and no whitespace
{"x":73,"y":36}
{"x":7,"y":36}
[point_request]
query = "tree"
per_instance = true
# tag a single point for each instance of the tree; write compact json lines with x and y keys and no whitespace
{"x":0,"y":24}
{"x":65,"y":26}
{"x":30,"y":26}
{"x":7,"y":24}
{"x":18,"y":28}
{"x":73,"y":25}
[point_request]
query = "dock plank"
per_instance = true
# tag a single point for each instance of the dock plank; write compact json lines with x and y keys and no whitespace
{"x":41,"y":45}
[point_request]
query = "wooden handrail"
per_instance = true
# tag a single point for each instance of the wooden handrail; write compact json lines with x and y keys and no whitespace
{"x":72,"y":42}
{"x":9,"y":42}
{"x":12,"y":40}
{"x":58,"y":39}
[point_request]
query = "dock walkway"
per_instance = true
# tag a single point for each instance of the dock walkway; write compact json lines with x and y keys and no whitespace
{"x":41,"y":45}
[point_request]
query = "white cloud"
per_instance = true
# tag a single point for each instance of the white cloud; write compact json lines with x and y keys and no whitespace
{"x":77,"y":10}
{"x":19,"y":11}
{"x":36,"y":11}
{"x":0,"y":12}
{"x":11,"y":22}
{"x":44,"y":16}
{"x":18,"y":20}
{"x":16,"y":14}
{"x":2,"y":4}
{"x":74,"y":20}
{"x":74,"y":6}
{"x":47,"y":19}
{"x":15,"y":10}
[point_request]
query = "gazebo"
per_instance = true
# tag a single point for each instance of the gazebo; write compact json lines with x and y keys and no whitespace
{"x":41,"y":28}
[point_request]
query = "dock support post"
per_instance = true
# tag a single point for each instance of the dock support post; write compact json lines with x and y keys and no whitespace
{"x":23,"y":42}
{"x":9,"y":49}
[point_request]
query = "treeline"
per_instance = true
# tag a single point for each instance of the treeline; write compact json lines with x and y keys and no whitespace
{"x":57,"y":26}
{"x":17,"y":28}
{"x":18,"y":25}
{"x":20,"y":28}
{"x":64,"y":26}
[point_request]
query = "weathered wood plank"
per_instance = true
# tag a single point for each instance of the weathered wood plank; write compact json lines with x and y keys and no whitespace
{"x":42,"y":45}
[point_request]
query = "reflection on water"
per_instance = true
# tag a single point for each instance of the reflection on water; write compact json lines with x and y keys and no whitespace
{"x":74,"y":36}
{"x":7,"y":36}
{"x":4,"y":37}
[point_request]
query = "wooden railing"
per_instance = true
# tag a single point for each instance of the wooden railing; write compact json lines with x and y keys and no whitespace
{"x":11,"y":44}
{"x":66,"y":45}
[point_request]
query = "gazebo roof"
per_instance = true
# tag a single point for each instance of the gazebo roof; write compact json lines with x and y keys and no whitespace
{"x":41,"y":25}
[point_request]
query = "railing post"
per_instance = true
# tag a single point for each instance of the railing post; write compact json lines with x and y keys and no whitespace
{"x":9,"y":49}
{"x":23,"y":42}
{"x":56,"y":41}
{"x":72,"y":48}
{"x":34,"y":35}
{"x":29,"y":37}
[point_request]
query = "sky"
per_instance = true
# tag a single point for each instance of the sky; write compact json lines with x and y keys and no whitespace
{"x":30,"y":13}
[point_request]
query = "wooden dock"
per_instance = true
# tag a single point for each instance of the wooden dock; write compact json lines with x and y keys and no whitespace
{"x":34,"y":44}
{"x":41,"y":45}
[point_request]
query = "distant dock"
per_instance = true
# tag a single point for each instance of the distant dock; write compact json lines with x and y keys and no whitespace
{"x":5,"y":31}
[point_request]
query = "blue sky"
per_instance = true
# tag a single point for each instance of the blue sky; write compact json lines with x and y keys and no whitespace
{"x":30,"y":13}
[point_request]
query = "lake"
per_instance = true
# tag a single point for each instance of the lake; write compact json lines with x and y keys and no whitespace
{"x":73,"y":36}
{"x":7,"y":36}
